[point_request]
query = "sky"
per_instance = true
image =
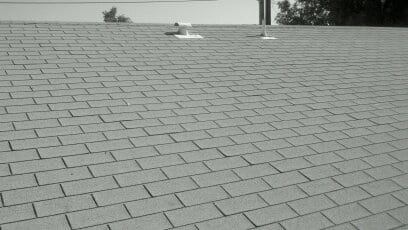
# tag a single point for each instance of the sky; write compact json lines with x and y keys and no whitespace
{"x":216,"y":12}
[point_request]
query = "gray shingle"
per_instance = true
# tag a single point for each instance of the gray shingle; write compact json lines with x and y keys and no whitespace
{"x":57,"y":176}
{"x":36,"y":166}
{"x":63,"y":205}
{"x":27,"y":195}
{"x":346,"y":213}
{"x":202,"y":195}
{"x":46,"y":223}
{"x":284,"y":179}
{"x":16,"y":213}
{"x":34,"y":143}
{"x":215,"y":178}
{"x":89,"y":185}
{"x":379,"y":221}
{"x":120,"y":195}
{"x":156,"y":221}
{"x":96,"y":216}
{"x":15,"y":182}
{"x":246,"y":187}
{"x":235,"y":222}
{"x":311,"y":204}
{"x":270,"y":214}
{"x":311,"y":221}
{"x":282,"y":195}
{"x":381,"y":203}
{"x":193,"y":214}
{"x":140,"y":177}
{"x":185,"y":170}
{"x":171,"y":186}
{"x":153,"y":205}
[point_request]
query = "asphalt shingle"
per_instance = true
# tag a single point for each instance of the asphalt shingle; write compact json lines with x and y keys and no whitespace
{"x":122,"y":126}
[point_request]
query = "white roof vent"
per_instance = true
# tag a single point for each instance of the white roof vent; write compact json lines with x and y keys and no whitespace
{"x":183,"y":31}
{"x":264,"y":34}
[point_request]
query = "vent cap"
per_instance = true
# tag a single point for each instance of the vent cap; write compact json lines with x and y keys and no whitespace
{"x":183,"y":33}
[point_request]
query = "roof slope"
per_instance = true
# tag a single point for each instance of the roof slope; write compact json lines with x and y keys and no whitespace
{"x":123,"y":126}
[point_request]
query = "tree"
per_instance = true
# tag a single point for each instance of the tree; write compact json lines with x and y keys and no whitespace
{"x":303,"y":12}
{"x":122,"y":18}
{"x":110,"y":16}
{"x":344,"y":12}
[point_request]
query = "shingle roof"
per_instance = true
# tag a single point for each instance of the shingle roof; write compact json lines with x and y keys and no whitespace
{"x":121,"y":125}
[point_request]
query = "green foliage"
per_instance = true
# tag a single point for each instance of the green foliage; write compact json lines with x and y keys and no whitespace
{"x":303,"y":12}
{"x":344,"y":12}
{"x":122,"y":18}
{"x":110,"y":16}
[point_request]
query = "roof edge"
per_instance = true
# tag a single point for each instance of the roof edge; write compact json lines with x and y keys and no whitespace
{"x":25,"y":22}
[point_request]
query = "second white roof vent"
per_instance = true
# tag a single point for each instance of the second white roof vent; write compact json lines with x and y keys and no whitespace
{"x":183,"y":31}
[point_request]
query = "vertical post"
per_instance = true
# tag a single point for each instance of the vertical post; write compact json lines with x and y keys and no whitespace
{"x":268,"y":12}
{"x":266,"y":20}
{"x":264,"y":33}
{"x":261,"y":11}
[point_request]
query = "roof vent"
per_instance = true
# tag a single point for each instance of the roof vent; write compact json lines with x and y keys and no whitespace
{"x":266,"y":7}
{"x":183,"y":31}
{"x":264,"y":34}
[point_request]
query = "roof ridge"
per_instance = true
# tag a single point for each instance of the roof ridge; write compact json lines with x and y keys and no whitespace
{"x":25,"y":22}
